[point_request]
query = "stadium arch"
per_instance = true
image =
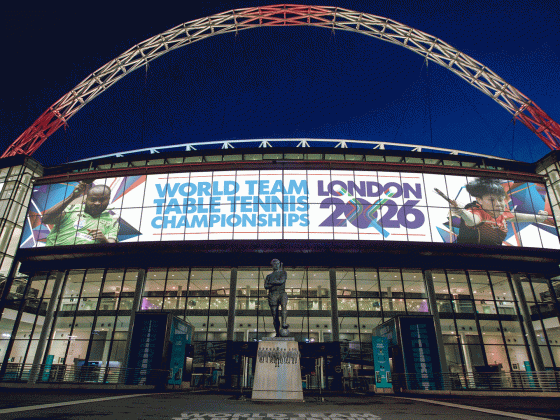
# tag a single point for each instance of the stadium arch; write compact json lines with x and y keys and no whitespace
{"x":428,"y":46}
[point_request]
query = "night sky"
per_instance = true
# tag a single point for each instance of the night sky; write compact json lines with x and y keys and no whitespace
{"x":290,"y":82}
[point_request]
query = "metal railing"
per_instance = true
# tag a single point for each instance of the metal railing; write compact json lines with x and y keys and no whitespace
{"x":502,"y":381}
{"x":548,"y":381}
{"x":59,"y":373}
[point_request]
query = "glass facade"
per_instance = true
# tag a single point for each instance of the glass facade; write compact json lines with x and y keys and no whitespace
{"x":481,"y":322}
{"x":489,"y":320}
{"x":15,"y":193}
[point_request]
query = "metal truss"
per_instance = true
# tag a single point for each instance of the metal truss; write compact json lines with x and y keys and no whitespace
{"x":303,"y":143}
{"x":433,"y":49}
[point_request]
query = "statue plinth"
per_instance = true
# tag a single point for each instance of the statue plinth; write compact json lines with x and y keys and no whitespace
{"x":278,"y":371}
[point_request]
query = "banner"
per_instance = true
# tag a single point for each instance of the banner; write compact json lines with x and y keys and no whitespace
{"x":292,"y":204}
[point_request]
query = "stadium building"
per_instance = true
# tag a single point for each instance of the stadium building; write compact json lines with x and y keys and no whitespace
{"x":363,"y":235}
{"x":427,"y":267}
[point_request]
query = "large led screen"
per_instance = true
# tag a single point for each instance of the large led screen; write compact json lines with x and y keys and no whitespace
{"x":295,"y":204}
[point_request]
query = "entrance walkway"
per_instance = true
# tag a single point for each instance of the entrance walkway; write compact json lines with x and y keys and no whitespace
{"x":16,"y":404}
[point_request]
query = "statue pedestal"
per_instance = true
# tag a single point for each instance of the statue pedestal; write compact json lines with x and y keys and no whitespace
{"x":278,"y":372}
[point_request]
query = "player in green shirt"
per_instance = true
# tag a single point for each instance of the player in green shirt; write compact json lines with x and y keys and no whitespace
{"x":86,"y":223}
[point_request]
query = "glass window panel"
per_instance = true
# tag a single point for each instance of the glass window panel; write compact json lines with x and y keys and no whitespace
{"x":87,"y":304}
{"x":367,"y":283}
{"x":118,"y":350}
{"x":527,"y":289}
{"x":552,"y":330}
{"x":220,"y":282}
{"x":391,"y":290}
{"x":491,"y":332}
{"x":155,"y":280}
{"x":126,"y":304}
{"x":518,"y":357}
{"x":91,"y":288}
{"x":200,"y":303}
{"x":500,"y":284}
{"x":200,"y":325}
{"x":82,"y":327}
{"x":248,"y":289}
{"x":218,"y":326}
{"x":496,"y":356}
{"x":467,"y":327}
{"x":447,"y":329}
{"x":367,"y":305}
{"x":440,"y":284}
{"x":24,"y":330}
{"x":347,"y":304}
{"x":58,"y":350}
{"x":105,"y":323}
{"x":73,"y":283}
{"x":444,"y":306}
{"x":114,"y":275}
{"x":131,"y":275}
{"x":480,"y":284}
{"x":506,"y":308}
{"x":513,"y":332}
{"x":18,"y":350}
{"x":541,"y":289}
{"x":200,"y":281}
{"x":122,"y":323}
{"x":417,"y":305}
{"x":485,"y":307}
{"x":112,"y":287}
{"x":151,"y":303}
{"x":453,"y":356}
{"x":456,"y":278}
{"x":556,"y":354}
{"x":393,"y":305}
{"x":129,"y":286}
{"x":63,"y":327}
{"x":296,"y":281}
{"x":319,"y":303}
{"x":219,"y":302}
{"x":414,"y":283}
{"x":108,"y":304}
{"x":177,"y":280}
{"x":463,"y":306}
{"x":37,"y":285}
{"x":94,"y":276}
{"x":345,"y":283}
{"x":173,"y":303}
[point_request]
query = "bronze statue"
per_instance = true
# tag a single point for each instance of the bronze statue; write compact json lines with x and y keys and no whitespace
{"x":275,"y":283}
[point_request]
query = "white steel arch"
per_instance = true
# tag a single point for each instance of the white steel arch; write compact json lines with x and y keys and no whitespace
{"x":433,"y":49}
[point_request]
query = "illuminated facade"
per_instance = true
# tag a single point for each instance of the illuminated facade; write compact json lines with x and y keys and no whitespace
{"x":363,"y":236}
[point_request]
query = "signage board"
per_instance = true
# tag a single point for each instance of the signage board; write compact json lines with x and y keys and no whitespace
{"x":290,"y":204}
{"x":381,"y":363}
{"x":420,"y":352}
{"x":147,"y":347}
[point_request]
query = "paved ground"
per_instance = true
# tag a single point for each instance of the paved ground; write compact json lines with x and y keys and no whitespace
{"x":545,"y":407}
{"x":194,"y":405}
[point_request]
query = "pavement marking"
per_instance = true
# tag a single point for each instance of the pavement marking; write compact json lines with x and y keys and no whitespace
{"x":276,"y":416}
{"x":66,"y":403}
{"x":483,"y":410}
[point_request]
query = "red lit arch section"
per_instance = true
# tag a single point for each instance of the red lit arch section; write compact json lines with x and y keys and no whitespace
{"x":379,"y":27}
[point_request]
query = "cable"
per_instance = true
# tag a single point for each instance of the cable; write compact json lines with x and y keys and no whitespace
{"x":512,"y":138}
{"x":144,"y":106}
{"x":429,"y":104}
{"x":498,"y":138}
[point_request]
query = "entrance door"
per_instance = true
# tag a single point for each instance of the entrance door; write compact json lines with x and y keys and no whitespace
{"x":312,"y":372}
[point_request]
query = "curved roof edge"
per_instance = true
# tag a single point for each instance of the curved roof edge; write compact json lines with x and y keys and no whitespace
{"x":298,"y":142}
